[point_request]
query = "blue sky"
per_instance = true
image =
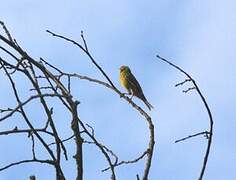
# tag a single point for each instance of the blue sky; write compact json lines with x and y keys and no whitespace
{"x":197,"y":35}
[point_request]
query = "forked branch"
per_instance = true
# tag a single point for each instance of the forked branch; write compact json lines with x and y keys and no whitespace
{"x":210,"y":131}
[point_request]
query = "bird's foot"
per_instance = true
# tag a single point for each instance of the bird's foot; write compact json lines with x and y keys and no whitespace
{"x":131,"y":97}
{"x":123,"y":94}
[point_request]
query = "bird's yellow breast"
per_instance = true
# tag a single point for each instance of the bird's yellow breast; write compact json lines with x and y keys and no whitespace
{"x":123,"y":80}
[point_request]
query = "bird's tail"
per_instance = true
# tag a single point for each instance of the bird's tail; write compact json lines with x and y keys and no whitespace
{"x":143,"y":98}
{"x":148,"y":105}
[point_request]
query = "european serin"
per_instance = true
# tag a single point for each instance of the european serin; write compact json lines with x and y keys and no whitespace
{"x":129,"y":82}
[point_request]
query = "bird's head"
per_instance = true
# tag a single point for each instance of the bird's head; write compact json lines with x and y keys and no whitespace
{"x":124,"y":69}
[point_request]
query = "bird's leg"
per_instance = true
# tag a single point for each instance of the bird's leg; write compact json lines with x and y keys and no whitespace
{"x":129,"y":93}
{"x":131,"y":96}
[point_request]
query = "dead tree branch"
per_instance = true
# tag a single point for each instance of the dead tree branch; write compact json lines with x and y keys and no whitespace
{"x":211,"y":122}
{"x":205,"y":133}
{"x":36,"y":71}
{"x":111,"y":85}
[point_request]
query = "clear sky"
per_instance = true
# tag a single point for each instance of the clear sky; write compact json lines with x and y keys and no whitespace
{"x":197,"y":35}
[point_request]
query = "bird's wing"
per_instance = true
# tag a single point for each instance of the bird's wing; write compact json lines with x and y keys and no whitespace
{"x":136,"y":88}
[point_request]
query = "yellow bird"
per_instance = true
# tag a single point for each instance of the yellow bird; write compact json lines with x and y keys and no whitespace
{"x":129,"y":82}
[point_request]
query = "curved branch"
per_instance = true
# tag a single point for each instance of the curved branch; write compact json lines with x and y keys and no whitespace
{"x":211,"y":122}
{"x":27,"y":161}
{"x":150,"y":149}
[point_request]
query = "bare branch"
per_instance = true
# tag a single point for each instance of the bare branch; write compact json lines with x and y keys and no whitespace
{"x":29,"y":66}
{"x":208,"y":113}
{"x":137,"y":176}
{"x":102,"y":149}
{"x":27,"y":161}
{"x":57,"y":166}
{"x":16,"y":109}
{"x":189,"y":89}
{"x":33,"y":146}
{"x":32,"y":177}
{"x":6,"y":31}
{"x":85,"y":44}
{"x":90,"y":127}
{"x":112,"y":86}
{"x":105,"y":148}
{"x":64,"y":140}
{"x":129,"y":162}
{"x":205,"y":133}
{"x":17,"y":131}
{"x":183,"y":82}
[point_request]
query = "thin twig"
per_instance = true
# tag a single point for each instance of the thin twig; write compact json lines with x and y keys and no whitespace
{"x":32,"y":177}
{"x":27,"y":161}
{"x":33,"y":146}
{"x":205,"y":133}
{"x":189,"y":89}
{"x":183,"y":82}
{"x":6,"y":31}
{"x":85,"y":43}
{"x":64,"y":140}
{"x":128,"y":162}
{"x":107,"y":149}
{"x":16,"y":109}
